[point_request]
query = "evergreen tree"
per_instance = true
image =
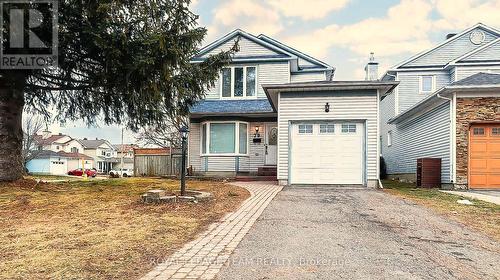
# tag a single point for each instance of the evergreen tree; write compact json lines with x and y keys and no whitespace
{"x":119,"y":61}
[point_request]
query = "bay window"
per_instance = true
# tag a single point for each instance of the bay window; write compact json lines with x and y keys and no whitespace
{"x":239,"y":82}
{"x":224,"y":138}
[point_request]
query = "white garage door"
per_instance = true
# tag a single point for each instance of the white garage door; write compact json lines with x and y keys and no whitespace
{"x":327,"y":153}
{"x":58,"y":167}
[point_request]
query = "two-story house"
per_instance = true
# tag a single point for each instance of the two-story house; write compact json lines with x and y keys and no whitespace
{"x":57,"y":154}
{"x":103,"y":153}
{"x":447,"y":106}
{"x":276,"y":111}
{"x":125,"y":152}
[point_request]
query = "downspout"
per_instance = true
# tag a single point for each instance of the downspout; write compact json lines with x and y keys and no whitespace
{"x":452,"y":151}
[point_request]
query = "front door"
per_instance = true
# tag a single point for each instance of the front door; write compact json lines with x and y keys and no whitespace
{"x":271,"y":144}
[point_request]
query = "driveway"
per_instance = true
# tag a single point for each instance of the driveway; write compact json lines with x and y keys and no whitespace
{"x":354,"y":233}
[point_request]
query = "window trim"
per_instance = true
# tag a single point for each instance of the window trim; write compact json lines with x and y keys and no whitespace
{"x":433,"y":85}
{"x":326,"y":132}
{"x":236,"y":139}
{"x":221,"y":87}
{"x":305,"y":130}
{"x":495,"y":134}
{"x":348,"y":129}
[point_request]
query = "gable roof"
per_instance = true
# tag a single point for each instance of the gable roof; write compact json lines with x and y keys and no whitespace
{"x":479,"y":79}
{"x":263,"y":48}
{"x":311,"y":62}
{"x":409,"y":63}
{"x":477,"y":83}
{"x":487,"y":52}
{"x":93,"y":144}
{"x":49,"y":140}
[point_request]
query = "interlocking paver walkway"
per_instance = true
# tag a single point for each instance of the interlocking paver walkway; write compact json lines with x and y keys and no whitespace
{"x":204,"y":257}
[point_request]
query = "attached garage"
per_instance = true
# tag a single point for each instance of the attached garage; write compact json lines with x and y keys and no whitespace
{"x":328,"y":132}
{"x":328,"y":152}
{"x":484,"y":156}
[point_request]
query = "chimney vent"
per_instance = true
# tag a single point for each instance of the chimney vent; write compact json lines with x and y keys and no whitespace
{"x":371,"y":69}
{"x":85,"y":138}
{"x":450,"y":35}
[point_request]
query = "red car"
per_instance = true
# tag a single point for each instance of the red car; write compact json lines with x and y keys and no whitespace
{"x":79,"y":172}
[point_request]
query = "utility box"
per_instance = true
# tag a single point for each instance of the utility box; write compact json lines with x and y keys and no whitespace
{"x":429,"y":172}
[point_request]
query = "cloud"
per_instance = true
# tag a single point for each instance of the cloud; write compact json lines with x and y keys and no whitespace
{"x":249,"y":15}
{"x":404,"y":29}
{"x":307,"y":9}
{"x":460,"y":14}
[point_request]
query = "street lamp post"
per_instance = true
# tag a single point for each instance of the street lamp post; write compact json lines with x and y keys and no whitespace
{"x":184,"y":133}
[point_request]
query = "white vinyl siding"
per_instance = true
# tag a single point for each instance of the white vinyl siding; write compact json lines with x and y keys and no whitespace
{"x":247,"y":48}
{"x":343,"y":106}
{"x":308,"y":77}
{"x":425,"y":136}
{"x":249,"y":163}
{"x":267,"y":73}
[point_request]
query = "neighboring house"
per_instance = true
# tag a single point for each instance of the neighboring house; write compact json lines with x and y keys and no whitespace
{"x":60,"y":146}
{"x":48,"y":162}
{"x":447,"y":106}
{"x":275,"y":107}
{"x":102,"y":152}
{"x":125,"y":151}
{"x":49,"y":142}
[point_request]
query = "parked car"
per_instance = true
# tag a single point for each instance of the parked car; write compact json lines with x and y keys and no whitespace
{"x":79,"y":172}
{"x":122,"y":172}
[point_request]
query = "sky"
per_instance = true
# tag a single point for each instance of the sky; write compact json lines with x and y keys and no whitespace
{"x":341,"y":33}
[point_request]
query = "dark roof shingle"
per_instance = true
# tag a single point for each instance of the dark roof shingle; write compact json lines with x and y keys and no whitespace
{"x":479,"y":79}
{"x":232,"y":106}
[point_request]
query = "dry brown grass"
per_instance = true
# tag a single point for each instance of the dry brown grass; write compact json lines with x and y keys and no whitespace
{"x":99,"y":229}
{"x":482,"y":216}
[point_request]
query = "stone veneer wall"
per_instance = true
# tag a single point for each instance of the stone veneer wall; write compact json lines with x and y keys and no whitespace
{"x":470,"y":111}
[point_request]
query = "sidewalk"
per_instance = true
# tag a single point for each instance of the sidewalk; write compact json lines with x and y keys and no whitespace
{"x":204,"y":257}
{"x":488,"y":196}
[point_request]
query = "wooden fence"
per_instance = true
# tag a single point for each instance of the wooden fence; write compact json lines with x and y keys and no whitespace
{"x":152,"y":165}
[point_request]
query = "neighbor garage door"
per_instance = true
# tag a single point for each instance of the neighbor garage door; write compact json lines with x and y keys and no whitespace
{"x":327,"y":153}
{"x":484,"y":159}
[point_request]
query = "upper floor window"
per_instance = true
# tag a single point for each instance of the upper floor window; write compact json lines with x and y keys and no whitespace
{"x":74,"y":150}
{"x":239,"y":82}
{"x":389,"y":138}
{"x":427,"y":84}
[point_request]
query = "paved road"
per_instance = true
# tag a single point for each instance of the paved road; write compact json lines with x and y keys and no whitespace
{"x":350,"y":233}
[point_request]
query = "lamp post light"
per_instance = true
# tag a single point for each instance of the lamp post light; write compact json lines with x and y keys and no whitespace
{"x":184,"y":134}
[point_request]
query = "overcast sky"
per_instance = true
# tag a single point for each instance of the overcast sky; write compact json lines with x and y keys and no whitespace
{"x":339,"y":32}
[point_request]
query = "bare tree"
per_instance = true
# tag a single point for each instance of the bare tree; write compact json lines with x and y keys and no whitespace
{"x":31,"y":126}
{"x":165,"y":134}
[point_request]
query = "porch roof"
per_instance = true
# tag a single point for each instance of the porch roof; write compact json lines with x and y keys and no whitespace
{"x":231,"y":107}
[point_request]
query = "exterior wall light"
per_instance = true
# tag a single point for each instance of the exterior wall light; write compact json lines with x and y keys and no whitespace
{"x":327,"y":107}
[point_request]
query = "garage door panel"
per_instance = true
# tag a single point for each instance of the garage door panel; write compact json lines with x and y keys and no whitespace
{"x":494,"y":147}
{"x":327,"y":158}
{"x":477,"y":165}
{"x":484,"y":157}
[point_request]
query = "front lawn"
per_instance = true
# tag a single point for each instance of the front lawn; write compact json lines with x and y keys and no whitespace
{"x":99,"y":229}
{"x":482,"y":216}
